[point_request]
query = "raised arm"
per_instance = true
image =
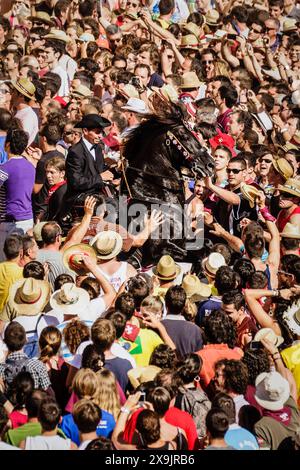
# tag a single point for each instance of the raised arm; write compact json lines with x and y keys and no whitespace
{"x":227,"y":196}
{"x":81,"y":229}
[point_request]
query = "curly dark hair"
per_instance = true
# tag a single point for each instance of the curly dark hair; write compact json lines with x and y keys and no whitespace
{"x":220,"y":328}
{"x":236,"y":375}
{"x":75,"y":333}
{"x":163,"y":356}
{"x":189,"y":368}
{"x":257,"y":361}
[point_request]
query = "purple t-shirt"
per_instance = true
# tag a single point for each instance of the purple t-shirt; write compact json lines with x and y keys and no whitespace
{"x":17,"y":177}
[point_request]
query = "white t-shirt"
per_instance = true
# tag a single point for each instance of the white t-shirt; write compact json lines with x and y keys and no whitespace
{"x":69,"y":65}
{"x":116,"y":350}
{"x":47,"y":443}
{"x":29,"y":122}
{"x":64,"y":88}
{"x":95,"y":309}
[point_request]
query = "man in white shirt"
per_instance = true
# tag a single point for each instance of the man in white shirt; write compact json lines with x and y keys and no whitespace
{"x":23,"y":93}
{"x":54,"y":49}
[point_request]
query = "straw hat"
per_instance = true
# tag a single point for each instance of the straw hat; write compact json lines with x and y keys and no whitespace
{"x":166,"y":269}
{"x":192,"y":28}
{"x":140,"y":375}
{"x":272,"y":390}
{"x":190,"y":80}
{"x":268,"y":333}
{"x":58,"y":34}
{"x":107,"y":244}
{"x":291,"y":231}
{"x":70,"y":300}
{"x":166,"y":92}
{"x":29,"y":296}
{"x":195,"y":290}
{"x":25,"y":87}
{"x":129,"y":91}
{"x":250,"y":193}
{"x":290,"y":24}
{"x":189,"y":42}
{"x":37,"y":231}
{"x":213,"y":262}
{"x":292,"y":318}
{"x":283,"y":167}
{"x":72,"y":257}
{"x":41,"y":16}
{"x":291,"y":186}
{"x":81,"y":91}
{"x":212,"y":18}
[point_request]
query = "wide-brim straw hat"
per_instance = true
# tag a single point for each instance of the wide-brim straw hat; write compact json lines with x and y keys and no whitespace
{"x":213,"y":262}
{"x":107,"y":244}
{"x":250,"y":193}
{"x":81,"y":91}
{"x":166,"y":92}
{"x":166,"y":268}
{"x":271,"y":390}
{"x":41,"y":16}
{"x":291,"y":186}
{"x":283,"y":167}
{"x":189,"y":41}
{"x":190,"y":80}
{"x":58,"y":34}
{"x":291,"y":231}
{"x":269,"y":334}
{"x":37,"y":231}
{"x":72,"y":257}
{"x":25,"y":87}
{"x":290,"y":24}
{"x":292,"y":317}
{"x":195,"y":290}
{"x":70,"y":299}
{"x":192,"y":28}
{"x":29,"y":296}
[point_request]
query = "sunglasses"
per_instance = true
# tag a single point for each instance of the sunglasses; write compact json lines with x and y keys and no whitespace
{"x":270,"y":29}
{"x":170,"y":56}
{"x":235,"y":171}
{"x":69,"y":132}
{"x":207,"y":62}
{"x":265,"y":160}
{"x":284,"y":195}
{"x":4,"y":91}
{"x":134,"y":5}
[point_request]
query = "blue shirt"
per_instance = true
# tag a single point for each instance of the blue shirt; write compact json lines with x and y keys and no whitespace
{"x":206,"y":307}
{"x":3,"y":154}
{"x":240,"y":438}
{"x":104,"y":428}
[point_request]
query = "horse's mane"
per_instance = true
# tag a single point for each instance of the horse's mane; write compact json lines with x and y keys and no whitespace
{"x":154,"y":125}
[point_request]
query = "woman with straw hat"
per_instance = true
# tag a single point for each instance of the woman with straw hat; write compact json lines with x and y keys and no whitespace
{"x":289,"y":199}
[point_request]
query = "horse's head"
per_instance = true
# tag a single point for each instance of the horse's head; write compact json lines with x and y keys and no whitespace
{"x":195,"y":156}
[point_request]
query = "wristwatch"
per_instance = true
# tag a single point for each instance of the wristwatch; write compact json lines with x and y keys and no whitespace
{"x":125,"y":410}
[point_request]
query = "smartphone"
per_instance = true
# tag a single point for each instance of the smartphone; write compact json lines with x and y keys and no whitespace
{"x":136,"y":81}
{"x":142,"y":397}
{"x":254,"y":345}
{"x":232,"y":36}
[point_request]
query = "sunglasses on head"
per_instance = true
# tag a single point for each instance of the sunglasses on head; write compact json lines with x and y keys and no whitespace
{"x":235,"y":171}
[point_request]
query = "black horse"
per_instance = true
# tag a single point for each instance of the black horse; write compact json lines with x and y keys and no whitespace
{"x":155,"y":153}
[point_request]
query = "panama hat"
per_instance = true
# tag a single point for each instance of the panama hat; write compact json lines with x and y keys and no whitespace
{"x":129,"y":91}
{"x":70,"y":299}
{"x":72,"y":257}
{"x":291,"y":186}
{"x":58,"y":34}
{"x":166,"y":92}
{"x":290,"y":231}
{"x":290,"y":24}
{"x":292,"y":318}
{"x":136,"y":106}
{"x":37,"y":231}
{"x":42,"y":17}
{"x":190,"y":80}
{"x":81,"y":91}
{"x":283,"y":167}
{"x":87,"y":37}
{"x":212,"y":18}
{"x":107,"y":244}
{"x":250,"y":193}
{"x":192,"y":28}
{"x":25,"y":87}
{"x":213,"y":262}
{"x":166,"y":268}
{"x":29,"y":296}
{"x":189,"y":42}
{"x":271,"y":390}
{"x":195,"y":290}
{"x":269,"y":334}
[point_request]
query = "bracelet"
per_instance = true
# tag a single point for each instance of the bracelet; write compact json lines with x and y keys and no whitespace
{"x":125,"y":410}
{"x":266,"y":214}
{"x":277,"y":356}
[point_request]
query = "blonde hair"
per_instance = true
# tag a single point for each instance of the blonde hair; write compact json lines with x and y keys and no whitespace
{"x":190,"y":310}
{"x":153,"y":303}
{"x":49,"y":342}
{"x":108,"y":396}
{"x":106,"y":56}
{"x":86,"y":384}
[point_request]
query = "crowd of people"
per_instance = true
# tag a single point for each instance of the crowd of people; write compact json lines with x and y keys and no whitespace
{"x":99,"y":351}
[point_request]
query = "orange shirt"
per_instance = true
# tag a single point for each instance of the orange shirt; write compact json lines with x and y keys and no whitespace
{"x":212,"y":353}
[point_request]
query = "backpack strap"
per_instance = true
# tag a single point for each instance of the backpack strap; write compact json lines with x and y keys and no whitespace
{"x":36,"y":325}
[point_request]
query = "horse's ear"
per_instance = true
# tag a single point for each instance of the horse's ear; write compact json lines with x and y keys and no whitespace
{"x":179,"y":111}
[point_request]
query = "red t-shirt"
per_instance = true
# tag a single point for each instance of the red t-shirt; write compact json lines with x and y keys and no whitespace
{"x":282,"y":221}
{"x":174,"y":416}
